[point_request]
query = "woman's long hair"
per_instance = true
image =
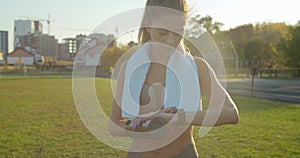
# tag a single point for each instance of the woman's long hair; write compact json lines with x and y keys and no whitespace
{"x":179,"y":5}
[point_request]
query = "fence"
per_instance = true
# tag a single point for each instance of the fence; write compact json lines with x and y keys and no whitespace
{"x":231,"y":72}
{"x":23,"y":70}
{"x":265,"y":73}
{"x":27,"y":70}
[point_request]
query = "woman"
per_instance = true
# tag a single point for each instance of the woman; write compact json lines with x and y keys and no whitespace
{"x":159,"y":36}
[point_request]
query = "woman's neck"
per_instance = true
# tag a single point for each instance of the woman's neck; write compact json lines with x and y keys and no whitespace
{"x":160,"y":54}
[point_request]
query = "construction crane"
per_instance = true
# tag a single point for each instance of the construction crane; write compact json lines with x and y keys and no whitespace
{"x":48,"y":21}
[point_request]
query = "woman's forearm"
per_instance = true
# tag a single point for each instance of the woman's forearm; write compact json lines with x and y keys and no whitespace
{"x":116,"y":128}
{"x":208,"y":118}
{"x":213,"y":117}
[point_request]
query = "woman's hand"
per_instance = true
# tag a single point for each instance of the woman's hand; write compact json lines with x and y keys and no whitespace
{"x":165,"y":114}
{"x":141,"y":118}
{"x":137,"y":122}
{"x":169,"y":110}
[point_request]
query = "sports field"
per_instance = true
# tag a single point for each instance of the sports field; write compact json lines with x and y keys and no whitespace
{"x":39,"y":119}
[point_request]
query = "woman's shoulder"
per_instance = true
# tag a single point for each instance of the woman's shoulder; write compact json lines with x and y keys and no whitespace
{"x":204,"y":69}
{"x":126,"y":57}
{"x":201,"y":63}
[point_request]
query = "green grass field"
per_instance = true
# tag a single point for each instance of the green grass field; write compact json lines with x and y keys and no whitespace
{"x":39,"y":119}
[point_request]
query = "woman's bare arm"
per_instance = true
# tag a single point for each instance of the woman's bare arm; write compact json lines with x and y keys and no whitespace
{"x":116,"y":125}
{"x":222,"y":109}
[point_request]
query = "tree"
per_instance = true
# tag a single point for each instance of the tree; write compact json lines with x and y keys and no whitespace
{"x":240,"y":36}
{"x":110,"y":57}
{"x":264,"y":41}
{"x":274,"y":35}
{"x":202,"y":24}
{"x":293,"y":48}
{"x":254,"y":48}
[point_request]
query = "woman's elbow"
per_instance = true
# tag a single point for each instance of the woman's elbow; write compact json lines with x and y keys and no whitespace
{"x":113,"y":129}
{"x":234,"y":116}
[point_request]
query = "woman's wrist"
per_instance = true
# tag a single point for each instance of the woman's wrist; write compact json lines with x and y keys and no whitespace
{"x":180,"y":117}
{"x":166,"y":116}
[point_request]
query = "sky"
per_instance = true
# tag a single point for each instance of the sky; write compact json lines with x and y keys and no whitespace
{"x":72,"y":17}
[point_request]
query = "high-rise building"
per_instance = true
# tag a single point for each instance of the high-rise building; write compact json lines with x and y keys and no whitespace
{"x":44,"y":44}
{"x":72,"y":46}
{"x":62,"y":51}
{"x":25,"y":27}
{"x":103,"y":39}
{"x":4,"y":42}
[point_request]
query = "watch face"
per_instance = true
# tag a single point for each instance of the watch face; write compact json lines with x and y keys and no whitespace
{"x":148,"y":125}
{"x":156,"y":123}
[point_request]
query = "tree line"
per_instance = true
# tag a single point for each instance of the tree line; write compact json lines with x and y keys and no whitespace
{"x":277,"y":43}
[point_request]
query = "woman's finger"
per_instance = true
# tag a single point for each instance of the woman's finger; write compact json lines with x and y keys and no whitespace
{"x":170,"y":110}
{"x":137,"y":121}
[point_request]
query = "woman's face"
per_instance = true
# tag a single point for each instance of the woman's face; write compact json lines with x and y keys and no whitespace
{"x":167,"y":30}
{"x":165,"y":36}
